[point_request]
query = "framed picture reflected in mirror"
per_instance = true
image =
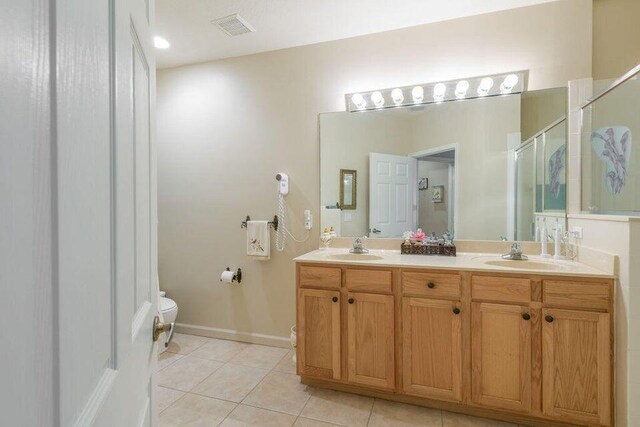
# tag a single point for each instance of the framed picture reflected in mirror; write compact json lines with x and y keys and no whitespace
{"x":348,"y":189}
{"x":437,"y":194}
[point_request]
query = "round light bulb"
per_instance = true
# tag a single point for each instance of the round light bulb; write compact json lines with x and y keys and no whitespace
{"x":377,"y":99}
{"x":438,"y":92}
{"x":161,"y":43}
{"x":461,"y":89}
{"x":397,"y":96}
{"x":509,"y":83}
{"x":358,"y":100}
{"x":485,"y":86}
{"x":417,"y":93}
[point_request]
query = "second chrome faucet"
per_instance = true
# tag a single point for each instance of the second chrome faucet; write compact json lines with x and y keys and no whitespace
{"x":516,"y":253}
{"x":357,"y":247}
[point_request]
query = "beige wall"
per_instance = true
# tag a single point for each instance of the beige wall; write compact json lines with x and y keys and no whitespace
{"x":226,"y":127}
{"x":433,"y":216}
{"x":541,"y":108}
{"x":616,"y":41}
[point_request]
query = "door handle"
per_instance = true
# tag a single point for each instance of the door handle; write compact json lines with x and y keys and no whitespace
{"x":375,"y":231}
{"x":159,"y":328}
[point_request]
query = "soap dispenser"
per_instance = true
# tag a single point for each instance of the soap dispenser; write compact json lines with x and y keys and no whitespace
{"x":557,"y":240}
{"x":544,"y":253}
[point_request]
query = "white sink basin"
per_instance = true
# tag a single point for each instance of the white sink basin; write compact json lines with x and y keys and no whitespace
{"x":523,"y":265}
{"x":354,"y":257}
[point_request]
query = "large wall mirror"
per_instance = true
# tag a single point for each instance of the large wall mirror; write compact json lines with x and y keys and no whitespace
{"x":483,"y":169}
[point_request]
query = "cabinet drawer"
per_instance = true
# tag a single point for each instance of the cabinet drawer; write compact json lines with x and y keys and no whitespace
{"x":576,"y":294}
{"x":368,"y":280}
{"x":320,"y":277}
{"x":437,"y":285}
{"x":501,"y":289}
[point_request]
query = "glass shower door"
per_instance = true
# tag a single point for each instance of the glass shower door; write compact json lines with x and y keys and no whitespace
{"x":525,"y":193}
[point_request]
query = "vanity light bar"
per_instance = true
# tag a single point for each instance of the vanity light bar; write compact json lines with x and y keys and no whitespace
{"x":430,"y":93}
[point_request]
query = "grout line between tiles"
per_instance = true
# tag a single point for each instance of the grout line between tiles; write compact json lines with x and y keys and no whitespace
{"x":371,"y":410}
{"x":174,"y":402}
{"x":169,"y":364}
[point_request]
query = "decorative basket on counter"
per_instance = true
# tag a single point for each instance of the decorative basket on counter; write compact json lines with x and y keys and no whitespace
{"x":428,"y":249}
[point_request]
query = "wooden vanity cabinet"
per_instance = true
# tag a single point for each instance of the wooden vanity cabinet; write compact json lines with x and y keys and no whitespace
{"x":530,"y":349}
{"x":370,"y":340}
{"x":576,"y":366}
{"x":501,"y":342}
{"x":346,"y":334}
{"x":318,"y":333}
{"x":432,"y":348}
{"x":501,"y":355}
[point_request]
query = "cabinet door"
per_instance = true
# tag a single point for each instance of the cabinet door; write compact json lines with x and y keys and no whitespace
{"x":370,"y":329}
{"x":432,"y":359}
{"x":318,"y":333}
{"x":501,"y":356}
{"x":576,"y":366}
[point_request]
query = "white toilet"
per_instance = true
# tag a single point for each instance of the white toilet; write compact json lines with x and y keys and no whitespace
{"x":169,"y":310}
{"x":168,"y":307}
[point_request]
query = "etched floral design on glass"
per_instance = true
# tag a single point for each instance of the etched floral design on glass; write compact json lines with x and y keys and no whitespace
{"x":556,"y":166}
{"x":612,"y":144}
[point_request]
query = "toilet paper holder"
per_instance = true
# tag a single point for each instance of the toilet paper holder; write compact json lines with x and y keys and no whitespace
{"x":237,"y":276}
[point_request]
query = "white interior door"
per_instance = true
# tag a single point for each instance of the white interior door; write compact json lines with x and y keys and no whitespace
{"x":78,"y":240}
{"x":130,"y":399}
{"x":392,"y":194}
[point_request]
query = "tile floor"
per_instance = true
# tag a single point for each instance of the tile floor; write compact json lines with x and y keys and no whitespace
{"x":210,"y":382}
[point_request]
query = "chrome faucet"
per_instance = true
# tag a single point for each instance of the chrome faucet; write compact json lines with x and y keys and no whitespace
{"x":357,"y":247}
{"x":516,"y":253}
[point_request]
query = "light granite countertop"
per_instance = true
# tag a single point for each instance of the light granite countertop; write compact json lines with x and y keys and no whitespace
{"x":470,"y":261}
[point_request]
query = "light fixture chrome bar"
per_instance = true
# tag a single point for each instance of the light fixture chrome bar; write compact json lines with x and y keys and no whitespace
{"x":619,"y":81}
{"x":437,"y":92}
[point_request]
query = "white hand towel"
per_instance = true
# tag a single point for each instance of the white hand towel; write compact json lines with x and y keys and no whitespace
{"x":258,"y":240}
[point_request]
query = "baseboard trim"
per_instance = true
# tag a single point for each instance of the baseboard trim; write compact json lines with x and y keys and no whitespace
{"x":230,"y":334}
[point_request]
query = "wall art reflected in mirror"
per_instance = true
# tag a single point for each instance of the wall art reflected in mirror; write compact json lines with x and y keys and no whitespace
{"x":348,"y":189}
{"x":483,"y":169}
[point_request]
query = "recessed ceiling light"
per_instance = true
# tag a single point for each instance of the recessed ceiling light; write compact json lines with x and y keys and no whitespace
{"x":161,"y":43}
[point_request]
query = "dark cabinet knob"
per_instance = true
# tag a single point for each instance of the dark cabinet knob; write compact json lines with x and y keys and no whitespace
{"x":431,"y":285}
{"x":548,"y":318}
{"x":456,"y":310}
{"x":526,"y":316}
{"x":350,"y":300}
{"x":334,"y":299}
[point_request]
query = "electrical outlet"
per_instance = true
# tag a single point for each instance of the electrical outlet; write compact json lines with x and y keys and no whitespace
{"x":576,"y":232}
{"x":308,"y":219}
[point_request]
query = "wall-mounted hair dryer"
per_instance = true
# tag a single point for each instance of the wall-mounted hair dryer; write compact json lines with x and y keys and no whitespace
{"x":283,"y":178}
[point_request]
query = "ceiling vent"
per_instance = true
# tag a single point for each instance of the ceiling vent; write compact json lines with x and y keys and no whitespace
{"x":233,"y":25}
